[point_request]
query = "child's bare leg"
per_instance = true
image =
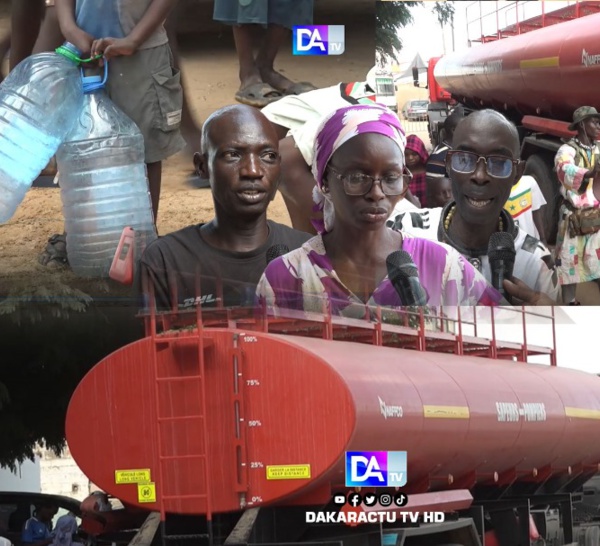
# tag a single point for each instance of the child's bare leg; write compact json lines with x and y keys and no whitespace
{"x":4,"y":47}
{"x":190,"y":130}
{"x":50,"y":36}
{"x":244,"y":46}
{"x":26,"y":19}
{"x":154,"y":182}
{"x":265,"y":60}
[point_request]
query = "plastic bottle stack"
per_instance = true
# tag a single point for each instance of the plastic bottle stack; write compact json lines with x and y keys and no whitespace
{"x":104,"y":184}
{"x":39,"y":102}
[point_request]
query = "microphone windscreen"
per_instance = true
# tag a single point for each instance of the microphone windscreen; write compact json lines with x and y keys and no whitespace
{"x":275,"y":251}
{"x":501,"y":246}
{"x":400,"y":263}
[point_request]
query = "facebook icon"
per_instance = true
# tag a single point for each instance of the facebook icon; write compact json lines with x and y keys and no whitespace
{"x":376,"y":468}
{"x":318,"y":40}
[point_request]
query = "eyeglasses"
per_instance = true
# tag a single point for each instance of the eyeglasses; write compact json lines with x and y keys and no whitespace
{"x":361,"y":184}
{"x":466,"y":162}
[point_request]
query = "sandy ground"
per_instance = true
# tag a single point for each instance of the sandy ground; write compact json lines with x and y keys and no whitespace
{"x":210,"y":68}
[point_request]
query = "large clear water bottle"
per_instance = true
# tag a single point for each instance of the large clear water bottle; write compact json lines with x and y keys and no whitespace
{"x":39,"y":102}
{"x":103,"y":183}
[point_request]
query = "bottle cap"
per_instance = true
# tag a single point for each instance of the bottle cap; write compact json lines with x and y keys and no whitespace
{"x":71,"y":47}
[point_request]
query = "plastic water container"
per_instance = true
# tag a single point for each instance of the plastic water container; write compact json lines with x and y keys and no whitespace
{"x":39,"y":102}
{"x":103,"y":184}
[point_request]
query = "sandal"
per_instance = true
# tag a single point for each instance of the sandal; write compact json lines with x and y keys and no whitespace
{"x":55,"y":253}
{"x":258,"y":94}
{"x":299,"y":88}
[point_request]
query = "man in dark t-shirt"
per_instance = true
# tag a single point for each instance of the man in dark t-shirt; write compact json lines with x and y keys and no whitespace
{"x":225,"y":257}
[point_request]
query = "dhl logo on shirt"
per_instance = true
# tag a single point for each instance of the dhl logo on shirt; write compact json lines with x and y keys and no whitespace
{"x":518,"y":204}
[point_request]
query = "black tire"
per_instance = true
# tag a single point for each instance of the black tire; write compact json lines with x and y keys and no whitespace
{"x":541,"y":168}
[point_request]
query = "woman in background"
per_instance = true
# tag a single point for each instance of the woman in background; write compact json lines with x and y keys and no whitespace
{"x":416,"y":161}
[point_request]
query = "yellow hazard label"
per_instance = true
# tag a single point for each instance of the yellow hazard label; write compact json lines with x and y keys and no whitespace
{"x":446,"y":412}
{"x":288,"y":472}
{"x":136,"y":475}
{"x":146,"y":492}
{"x":582,"y":413}
{"x":542,"y":62}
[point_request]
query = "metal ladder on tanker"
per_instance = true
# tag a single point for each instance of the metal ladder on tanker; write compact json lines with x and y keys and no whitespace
{"x":163,"y":459}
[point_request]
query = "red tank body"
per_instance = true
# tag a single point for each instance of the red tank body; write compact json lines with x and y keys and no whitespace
{"x":281,"y":410}
{"x":550,"y":71}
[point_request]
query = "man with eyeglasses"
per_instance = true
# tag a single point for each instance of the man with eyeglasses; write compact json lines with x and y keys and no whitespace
{"x":483,"y":166}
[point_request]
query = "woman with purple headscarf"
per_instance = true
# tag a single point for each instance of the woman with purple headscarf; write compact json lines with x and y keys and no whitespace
{"x":359,"y":167}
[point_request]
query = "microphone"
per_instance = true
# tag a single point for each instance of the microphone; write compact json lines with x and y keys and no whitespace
{"x":275,"y":251}
{"x":501,"y":253}
{"x":404,"y":275}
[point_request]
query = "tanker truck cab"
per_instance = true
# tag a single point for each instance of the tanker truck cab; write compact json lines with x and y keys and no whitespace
{"x":382,"y":82}
{"x":440,"y":102}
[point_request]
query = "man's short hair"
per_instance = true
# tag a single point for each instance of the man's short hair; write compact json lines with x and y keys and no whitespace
{"x":489,"y":113}
{"x":452,"y":120}
{"x":46,"y":504}
{"x":209,"y":121}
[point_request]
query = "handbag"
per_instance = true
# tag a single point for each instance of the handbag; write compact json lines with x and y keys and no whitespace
{"x":584,"y":221}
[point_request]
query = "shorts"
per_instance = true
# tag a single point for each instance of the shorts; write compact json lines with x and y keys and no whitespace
{"x":147,"y":87}
{"x":286,"y":13}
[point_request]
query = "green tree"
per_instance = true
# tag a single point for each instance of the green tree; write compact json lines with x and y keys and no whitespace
{"x":50,"y":339}
{"x":391,"y":17}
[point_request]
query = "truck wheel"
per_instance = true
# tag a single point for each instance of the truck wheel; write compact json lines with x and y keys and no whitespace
{"x":540,"y":167}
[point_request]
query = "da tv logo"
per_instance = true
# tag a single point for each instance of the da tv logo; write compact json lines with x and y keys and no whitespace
{"x":376,"y":468}
{"x":318,"y":40}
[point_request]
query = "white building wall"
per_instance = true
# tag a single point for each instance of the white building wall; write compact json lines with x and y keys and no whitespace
{"x":26,"y":478}
{"x":60,"y":475}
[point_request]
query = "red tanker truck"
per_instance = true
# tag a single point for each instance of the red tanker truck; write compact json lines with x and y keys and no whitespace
{"x":535,"y":76}
{"x":236,"y":427}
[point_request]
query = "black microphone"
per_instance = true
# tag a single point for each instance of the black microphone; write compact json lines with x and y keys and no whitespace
{"x":501,"y":253}
{"x":275,"y":251}
{"x":404,"y":275}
